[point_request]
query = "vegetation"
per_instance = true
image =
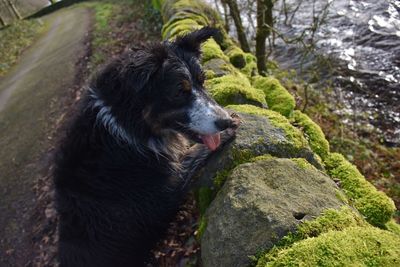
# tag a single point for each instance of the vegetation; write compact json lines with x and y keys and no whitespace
{"x":360,"y":246}
{"x":313,"y":133}
{"x":277,"y":120}
{"x":277,"y":97}
{"x":15,"y":39}
{"x":373,"y":204}
{"x":235,"y":89}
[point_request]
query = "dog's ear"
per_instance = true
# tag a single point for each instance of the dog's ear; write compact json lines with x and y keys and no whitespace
{"x":192,"y":41}
{"x":145,"y":63}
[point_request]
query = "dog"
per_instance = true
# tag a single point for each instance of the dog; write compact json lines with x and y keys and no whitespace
{"x":125,"y":164}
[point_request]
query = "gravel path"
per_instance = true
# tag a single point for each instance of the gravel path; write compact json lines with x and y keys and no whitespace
{"x":31,"y":97}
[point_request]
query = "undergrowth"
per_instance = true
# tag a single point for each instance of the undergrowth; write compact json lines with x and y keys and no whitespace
{"x":15,"y":38}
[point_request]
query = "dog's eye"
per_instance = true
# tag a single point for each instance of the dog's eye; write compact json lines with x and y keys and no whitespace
{"x":186,"y":86}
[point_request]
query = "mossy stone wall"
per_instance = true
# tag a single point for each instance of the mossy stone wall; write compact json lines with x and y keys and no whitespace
{"x":232,"y":79}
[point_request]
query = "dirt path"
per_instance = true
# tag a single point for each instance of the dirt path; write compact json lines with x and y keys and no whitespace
{"x":31,"y":98}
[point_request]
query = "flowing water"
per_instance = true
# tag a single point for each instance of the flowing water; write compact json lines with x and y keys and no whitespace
{"x":361,"y":39}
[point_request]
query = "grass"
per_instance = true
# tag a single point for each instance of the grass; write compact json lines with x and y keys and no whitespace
{"x":15,"y":39}
{"x":113,"y":29}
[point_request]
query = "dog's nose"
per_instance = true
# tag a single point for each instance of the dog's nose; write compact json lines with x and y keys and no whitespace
{"x":223,"y":124}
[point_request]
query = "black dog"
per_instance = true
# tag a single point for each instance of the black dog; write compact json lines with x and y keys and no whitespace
{"x":123,"y":168}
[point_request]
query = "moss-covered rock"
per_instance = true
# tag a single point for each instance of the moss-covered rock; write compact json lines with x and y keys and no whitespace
{"x":172,"y":22}
{"x":236,"y":56}
{"x":219,"y":67}
{"x":235,"y":89}
{"x":302,"y":163}
{"x":259,"y":204}
{"x":277,"y":120}
{"x":313,"y":133}
{"x":265,"y":132}
{"x":210,"y":49}
{"x":172,"y":7}
{"x":180,"y":27}
{"x":354,"y":246}
{"x":373,"y":204}
{"x":278,"y":98}
{"x":250,"y":69}
{"x":262,"y":157}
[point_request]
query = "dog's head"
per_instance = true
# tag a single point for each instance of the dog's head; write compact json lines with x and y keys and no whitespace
{"x":166,"y":83}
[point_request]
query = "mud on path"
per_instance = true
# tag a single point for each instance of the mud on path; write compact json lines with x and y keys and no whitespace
{"x":32,"y":96}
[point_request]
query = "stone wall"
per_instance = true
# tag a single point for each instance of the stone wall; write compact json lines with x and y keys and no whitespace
{"x":277,"y":184}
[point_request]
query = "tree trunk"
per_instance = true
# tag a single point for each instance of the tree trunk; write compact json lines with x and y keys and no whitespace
{"x":226,"y":16}
{"x":14,"y":9}
{"x":235,"y":13}
{"x":265,"y":21}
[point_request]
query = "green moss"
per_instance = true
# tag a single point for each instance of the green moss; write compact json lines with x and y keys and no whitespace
{"x":313,"y":133}
{"x":101,"y":42}
{"x":210,"y":49}
{"x":374,"y":205}
{"x":278,"y":98}
{"x":225,"y":41}
{"x":202,"y":227}
{"x":341,"y":196}
{"x":329,"y":220}
{"x":209,"y":74}
{"x":182,"y":15}
{"x":156,"y":4}
{"x":220,"y":178}
{"x":277,"y":120}
{"x":354,"y":246}
{"x":204,"y":198}
{"x":236,"y":56}
{"x":234,"y":89}
{"x":14,"y":39}
{"x":393,"y":227}
{"x":172,"y":7}
{"x":250,"y":69}
{"x":262,"y":157}
{"x":303,"y":163}
{"x":182,"y":25}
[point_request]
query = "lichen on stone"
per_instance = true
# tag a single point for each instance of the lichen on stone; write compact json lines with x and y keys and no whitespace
{"x":354,"y":246}
{"x":234,"y":89}
{"x":277,"y":97}
{"x":312,"y":132}
{"x":373,"y":204}
{"x":277,"y":120}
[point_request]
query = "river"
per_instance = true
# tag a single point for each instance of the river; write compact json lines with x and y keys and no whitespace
{"x":361,"y":40}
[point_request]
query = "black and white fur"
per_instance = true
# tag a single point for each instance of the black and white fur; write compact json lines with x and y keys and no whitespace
{"x":124,"y":166}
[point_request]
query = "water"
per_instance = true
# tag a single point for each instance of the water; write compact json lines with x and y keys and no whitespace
{"x":361,"y":39}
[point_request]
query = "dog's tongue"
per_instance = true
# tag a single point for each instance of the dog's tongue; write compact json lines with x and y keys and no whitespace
{"x":212,"y":141}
